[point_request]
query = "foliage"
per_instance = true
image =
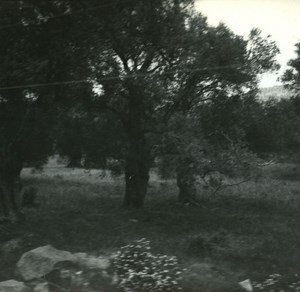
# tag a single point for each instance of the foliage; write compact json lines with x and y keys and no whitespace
{"x":151,"y":60}
{"x":279,"y":283}
{"x":275,"y":128}
{"x":96,"y":139}
{"x":291,"y":76}
{"x":160,"y":58}
{"x":25,"y":118}
{"x":140,"y":270}
{"x":29,"y":96}
{"x":213,"y":157}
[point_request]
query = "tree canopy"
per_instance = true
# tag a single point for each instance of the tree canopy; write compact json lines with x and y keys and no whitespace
{"x":291,"y":77}
{"x":140,"y":61}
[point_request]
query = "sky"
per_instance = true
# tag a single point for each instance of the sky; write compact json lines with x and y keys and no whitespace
{"x":278,"y":18}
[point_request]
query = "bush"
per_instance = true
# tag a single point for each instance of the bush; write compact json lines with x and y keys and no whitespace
{"x":139,"y":270}
{"x":279,"y":283}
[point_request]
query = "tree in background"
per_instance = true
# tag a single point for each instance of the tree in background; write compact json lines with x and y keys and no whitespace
{"x":33,"y":55}
{"x":23,"y":127}
{"x":291,"y":76}
{"x":194,"y":153}
{"x":275,"y":129}
{"x":167,"y":59}
{"x":90,"y":139}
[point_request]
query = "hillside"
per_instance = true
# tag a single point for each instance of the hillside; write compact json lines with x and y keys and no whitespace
{"x":277,"y":92}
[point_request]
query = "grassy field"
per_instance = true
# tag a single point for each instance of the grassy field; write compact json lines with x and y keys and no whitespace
{"x":248,"y":231}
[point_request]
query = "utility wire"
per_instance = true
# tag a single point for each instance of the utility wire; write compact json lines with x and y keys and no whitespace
{"x":45,"y":84}
{"x":108,"y":78}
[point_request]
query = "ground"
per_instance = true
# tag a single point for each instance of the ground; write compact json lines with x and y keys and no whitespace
{"x":248,"y":231}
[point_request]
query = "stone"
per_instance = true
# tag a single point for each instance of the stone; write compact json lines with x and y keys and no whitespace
{"x":91,"y":262}
{"x":246,"y":285}
{"x":38,"y":262}
{"x":41,"y":287}
{"x":13,"y":286}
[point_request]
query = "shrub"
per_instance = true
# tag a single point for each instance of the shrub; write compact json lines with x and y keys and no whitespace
{"x":279,"y":283}
{"x":139,"y":270}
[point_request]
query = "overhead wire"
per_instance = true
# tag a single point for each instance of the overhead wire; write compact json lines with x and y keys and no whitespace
{"x":83,"y":80}
{"x":108,"y":78}
{"x":69,"y":82}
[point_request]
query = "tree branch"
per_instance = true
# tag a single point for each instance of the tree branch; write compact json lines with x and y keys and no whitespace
{"x":122,"y":58}
{"x":164,"y":57}
{"x":173,"y":106}
{"x":232,"y":185}
{"x":147,"y":62}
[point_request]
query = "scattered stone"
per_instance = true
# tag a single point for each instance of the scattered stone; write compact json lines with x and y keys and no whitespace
{"x":91,"y":262}
{"x":40,"y":261}
{"x":13,"y":286}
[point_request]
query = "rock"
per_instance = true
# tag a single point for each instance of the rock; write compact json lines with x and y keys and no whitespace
{"x":40,"y":261}
{"x":13,"y":286}
{"x":41,"y":287}
{"x":246,"y":285}
{"x":91,"y":262}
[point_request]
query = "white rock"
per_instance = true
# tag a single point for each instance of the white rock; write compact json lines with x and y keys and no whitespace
{"x":246,"y":284}
{"x":91,"y":262}
{"x":40,"y":261}
{"x":13,"y":286}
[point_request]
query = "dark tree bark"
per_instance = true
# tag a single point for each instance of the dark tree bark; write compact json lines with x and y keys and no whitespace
{"x":186,"y":182}
{"x":138,"y":158}
{"x":136,"y":174}
{"x":10,"y":171}
{"x":75,"y":161}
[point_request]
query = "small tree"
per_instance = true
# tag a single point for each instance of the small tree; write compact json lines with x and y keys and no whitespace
{"x":190,"y":155}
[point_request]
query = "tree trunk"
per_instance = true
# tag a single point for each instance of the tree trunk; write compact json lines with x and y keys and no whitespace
{"x":186,"y":182}
{"x":136,"y":175}
{"x":4,"y":203}
{"x":75,"y":161}
{"x":10,"y":187}
{"x":138,"y":158}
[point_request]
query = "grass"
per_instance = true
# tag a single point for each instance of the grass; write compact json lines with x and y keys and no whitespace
{"x":248,"y":231}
